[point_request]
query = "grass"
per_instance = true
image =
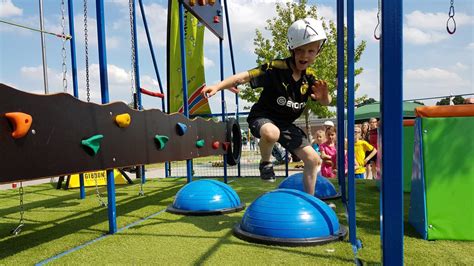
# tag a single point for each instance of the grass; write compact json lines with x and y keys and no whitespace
{"x":56,"y":221}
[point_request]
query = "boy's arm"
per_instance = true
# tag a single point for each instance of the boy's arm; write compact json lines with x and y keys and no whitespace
{"x":229,"y":82}
{"x":321,"y":92}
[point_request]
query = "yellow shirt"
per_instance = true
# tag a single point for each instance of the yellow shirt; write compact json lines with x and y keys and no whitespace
{"x":360,"y":148}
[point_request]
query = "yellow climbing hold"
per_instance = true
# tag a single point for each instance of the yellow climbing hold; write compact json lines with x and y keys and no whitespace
{"x":123,"y":120}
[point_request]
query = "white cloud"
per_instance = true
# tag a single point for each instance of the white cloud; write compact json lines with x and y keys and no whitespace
{"x":470,"y":46}
{"x":425,"y":28}
{"x":157,"y":17}
{"x":208,"y":62}
{"x":434,"y":82}
{"x":365,"y":22}
{"x":8,"y":9}
{"x":369,"y":83}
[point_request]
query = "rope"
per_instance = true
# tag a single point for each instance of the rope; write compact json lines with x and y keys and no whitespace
{"x":62,"y":36}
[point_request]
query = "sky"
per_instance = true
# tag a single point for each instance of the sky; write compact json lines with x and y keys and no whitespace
{"x":435,"y":63}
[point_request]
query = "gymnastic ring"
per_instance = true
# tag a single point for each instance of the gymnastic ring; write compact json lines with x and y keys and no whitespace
{"x":234,"y":137}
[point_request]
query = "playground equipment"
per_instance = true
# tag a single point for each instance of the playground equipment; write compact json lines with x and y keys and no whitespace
{"x":206,"y":197}
{"x":85,"y":136}
{"x":441,"y":202}
{"x":289,"y":217}
{"x":324,"y":189}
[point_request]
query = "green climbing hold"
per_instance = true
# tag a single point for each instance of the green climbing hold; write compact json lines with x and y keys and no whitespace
{"x":200,"y":143}
{"x":92,"y":144}
{"x":160,"y":141}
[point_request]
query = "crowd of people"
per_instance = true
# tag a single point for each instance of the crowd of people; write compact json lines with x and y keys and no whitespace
{"x":365,"y":149}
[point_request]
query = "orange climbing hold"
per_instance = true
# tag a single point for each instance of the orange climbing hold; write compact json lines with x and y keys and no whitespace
{"x":21,"y":123}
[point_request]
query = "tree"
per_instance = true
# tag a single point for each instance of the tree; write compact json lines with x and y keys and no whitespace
{"x":458,"y":100}
{"x":445,"y":101}
{"x":365,"y":102}
{"x":418,"y":102}
{"x":325,"y":65}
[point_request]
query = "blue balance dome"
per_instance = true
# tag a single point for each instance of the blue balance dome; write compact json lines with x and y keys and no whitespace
{"x":291,"y":218}
{"x":206,"y":197}
{"x":324,"y":189}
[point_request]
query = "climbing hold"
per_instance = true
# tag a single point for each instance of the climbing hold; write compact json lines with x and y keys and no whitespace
{"x":181,"y":128}
{"x":215,"y":145}
{"x":123,"y":120}
{"x":161,"y":141}
{"x":200,"y":143}
{"x":92,"y":144}
{"x":21,"y":123}
{"x":225,"y":145}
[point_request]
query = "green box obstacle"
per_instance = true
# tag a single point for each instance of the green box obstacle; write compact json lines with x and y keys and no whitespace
{"x":442,"y":184}
{"x":408,"y":138}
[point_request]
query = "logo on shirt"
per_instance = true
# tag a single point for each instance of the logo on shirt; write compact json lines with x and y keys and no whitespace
{"x":283,"y":102}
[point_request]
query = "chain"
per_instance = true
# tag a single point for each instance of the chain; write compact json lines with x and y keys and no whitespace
{"x":132,"y":47}
{"x":15,"y":231}
{"x":22,"y":207}
{"x":377,"y":31}
{"x":451,"y":17}
{"x":63,"y":50}
{"x":97,"y":192}
{"x":86,"y":47}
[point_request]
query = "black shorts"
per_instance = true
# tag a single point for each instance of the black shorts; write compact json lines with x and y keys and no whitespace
{"x":291,"y":137}
{"x":373,"y":159}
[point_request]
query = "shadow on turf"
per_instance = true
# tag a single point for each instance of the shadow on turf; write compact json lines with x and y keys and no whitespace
{"x":32,"y":236}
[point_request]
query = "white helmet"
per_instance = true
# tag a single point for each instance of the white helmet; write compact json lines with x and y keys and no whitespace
{"x":305,"y":31}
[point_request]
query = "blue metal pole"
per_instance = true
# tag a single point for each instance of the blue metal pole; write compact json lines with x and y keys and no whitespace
{"x":356,"y":245}
{"x":340,"y":99}
{"x":152,"y":51}
{"x":104,"y":90}
{"x":184,"y":80}
{"x":75,"y":89}
{"x":391,"y":109}
{"x":221,"y":60}
{"x":137,"y":75}
{"x":229,"y":34}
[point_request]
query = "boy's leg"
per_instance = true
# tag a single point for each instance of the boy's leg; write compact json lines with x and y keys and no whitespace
{"x":312,"y":163}
{"x":268,"y":133}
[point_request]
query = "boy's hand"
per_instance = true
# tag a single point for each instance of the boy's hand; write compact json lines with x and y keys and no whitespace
{"x":209,"y":91}
{"x":320,"y":92}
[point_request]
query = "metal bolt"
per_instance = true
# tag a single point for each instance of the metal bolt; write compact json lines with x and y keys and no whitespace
{"x":33,"y":131}
{"x":111,"y":113}
{"x":113,"y":159}
{"x":425,"y":131}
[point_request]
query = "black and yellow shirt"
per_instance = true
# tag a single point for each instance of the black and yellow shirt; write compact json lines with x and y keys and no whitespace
{"x":283,"y":99}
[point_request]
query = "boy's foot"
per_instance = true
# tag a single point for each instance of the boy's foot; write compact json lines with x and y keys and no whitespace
{"x":266,"y":171}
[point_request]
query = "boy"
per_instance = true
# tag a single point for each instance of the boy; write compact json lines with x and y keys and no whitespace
{"x":360,"y":148}
{"x":287,"y":85}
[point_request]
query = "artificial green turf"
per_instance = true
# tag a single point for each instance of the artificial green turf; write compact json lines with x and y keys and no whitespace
{"x":56,"y":221}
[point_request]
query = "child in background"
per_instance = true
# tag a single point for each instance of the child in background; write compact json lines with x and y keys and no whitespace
{"x":319,"y":139}
{"x":328,"y":153}
{"x":360,"y":148}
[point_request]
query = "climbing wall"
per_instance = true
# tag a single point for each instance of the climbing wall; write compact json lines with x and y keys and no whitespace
{"x":51,"y":135}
